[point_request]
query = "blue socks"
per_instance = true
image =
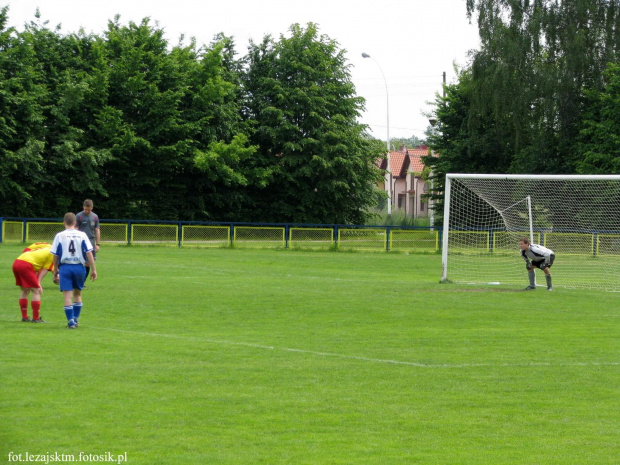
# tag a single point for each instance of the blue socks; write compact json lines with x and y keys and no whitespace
{"x":73,"y":313}
{"x":69,"y":313}
{"x":77,"y":309}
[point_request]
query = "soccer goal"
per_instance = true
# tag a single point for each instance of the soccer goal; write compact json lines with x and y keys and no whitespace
{"x":578,"y":217}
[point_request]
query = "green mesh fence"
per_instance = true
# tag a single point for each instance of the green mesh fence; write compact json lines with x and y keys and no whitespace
{"x":414,"y":241}
{"x":205,"y":236}
{"x":42,"y":231}
{"x":504,"y":241}
{"x":311,"y":238}
{"x":154,"y":234}
{"x":12,"y":231}
{"x":470,"y":242}
{"x":114,"y":233}
{"x":608,"y":244}
{"x":570,"y":243}
{"x":362,"y":239}
{"x":294,"y":237}
{"x":259,"y":237}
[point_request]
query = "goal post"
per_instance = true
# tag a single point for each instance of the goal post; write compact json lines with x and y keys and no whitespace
{"x":577,"y":216}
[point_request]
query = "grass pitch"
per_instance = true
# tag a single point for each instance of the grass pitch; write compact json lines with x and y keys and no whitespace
{"x":190,"y":356}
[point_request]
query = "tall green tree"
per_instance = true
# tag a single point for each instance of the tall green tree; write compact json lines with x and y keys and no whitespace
{"x":225,"y":158}
{"x":73,"y":92}
{"x":536,"y":57}
{"x":163,"y":109}
{"x":184,"y":132}
{"x":302,"y":111}
{"x":598,"y":148}
{"x":46,"y":78}
{"x":519,"y":105}
{"x":22,"y":169}
{"x":465,"y":142}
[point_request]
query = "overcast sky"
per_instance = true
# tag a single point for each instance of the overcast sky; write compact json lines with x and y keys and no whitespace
{"x":412,"y":41}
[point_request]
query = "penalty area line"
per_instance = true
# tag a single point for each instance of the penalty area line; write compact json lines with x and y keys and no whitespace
{"x":357,"y":357}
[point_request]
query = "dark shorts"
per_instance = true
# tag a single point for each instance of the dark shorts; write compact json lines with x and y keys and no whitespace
{"x":92,"y":251}
{"x":538,"y":264}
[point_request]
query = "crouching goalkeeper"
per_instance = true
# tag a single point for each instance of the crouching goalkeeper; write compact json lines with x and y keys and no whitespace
{"x":536,"y":256}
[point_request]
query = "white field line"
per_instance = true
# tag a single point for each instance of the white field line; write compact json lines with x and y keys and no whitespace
{"x":355,"y":357}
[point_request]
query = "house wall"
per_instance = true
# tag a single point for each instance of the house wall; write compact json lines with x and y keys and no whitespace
{"x":411,"y":203}
{"x":408,"y":187}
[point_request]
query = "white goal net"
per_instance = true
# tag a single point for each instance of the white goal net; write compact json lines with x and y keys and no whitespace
{"x":578,"y":217}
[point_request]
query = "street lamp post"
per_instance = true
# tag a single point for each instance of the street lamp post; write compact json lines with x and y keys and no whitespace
{"x":388,"y":173}
{"x":433,"y":122}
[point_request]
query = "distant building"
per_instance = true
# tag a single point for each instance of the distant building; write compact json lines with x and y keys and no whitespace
{"x":408,"y":187}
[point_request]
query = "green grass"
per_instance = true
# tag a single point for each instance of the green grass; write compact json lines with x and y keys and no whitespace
{"x":193,"y":356}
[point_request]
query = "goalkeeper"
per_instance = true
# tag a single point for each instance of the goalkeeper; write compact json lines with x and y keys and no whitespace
{"x":536,"y":256}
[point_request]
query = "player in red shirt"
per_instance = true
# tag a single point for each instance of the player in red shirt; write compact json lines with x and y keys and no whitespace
{"x":29,"y":269}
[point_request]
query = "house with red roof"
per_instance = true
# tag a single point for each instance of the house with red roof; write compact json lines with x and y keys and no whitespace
{"x":408,"y":187}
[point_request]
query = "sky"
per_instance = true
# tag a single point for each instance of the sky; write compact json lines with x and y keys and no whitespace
{"x":411,"y":42}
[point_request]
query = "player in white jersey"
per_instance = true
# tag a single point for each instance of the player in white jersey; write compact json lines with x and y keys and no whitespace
{"x":72,"y":250}
{"x":536,"y":256}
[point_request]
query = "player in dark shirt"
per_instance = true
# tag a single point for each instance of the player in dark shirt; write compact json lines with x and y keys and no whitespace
{"x":87,"y":221}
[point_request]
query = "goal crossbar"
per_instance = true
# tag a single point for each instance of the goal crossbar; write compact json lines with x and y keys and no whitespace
{"x":562,"y":177}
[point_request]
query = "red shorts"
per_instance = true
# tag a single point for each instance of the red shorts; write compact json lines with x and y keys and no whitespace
{"x":24,"y":274}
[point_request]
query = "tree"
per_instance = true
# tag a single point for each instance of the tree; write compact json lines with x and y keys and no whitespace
{"x":180,"y":133}
{"x":21,"y":115}
{"x":410,"y":142}
{"x":163,"y":110}
{"x":302,"y":111}
{"x":46,"y":88}
{"x":536,"y":58}
{"x":519,"y":106}
{"x":450,"y":138}
{"x":70,"y":74}
{"x":599,"y":142}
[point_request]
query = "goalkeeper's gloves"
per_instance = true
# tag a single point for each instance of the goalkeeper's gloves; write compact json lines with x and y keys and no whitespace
{"x":528,"y":265}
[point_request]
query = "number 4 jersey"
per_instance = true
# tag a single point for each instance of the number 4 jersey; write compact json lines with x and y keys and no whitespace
{"x":71,"y":247}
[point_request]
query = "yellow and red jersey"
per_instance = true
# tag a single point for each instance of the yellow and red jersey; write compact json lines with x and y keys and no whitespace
{"x":37,"y":246}
{"x":39,"y":258}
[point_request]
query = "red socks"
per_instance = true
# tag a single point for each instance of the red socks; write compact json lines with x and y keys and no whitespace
{"x":23,"y":306}
{"x":36,"y":307}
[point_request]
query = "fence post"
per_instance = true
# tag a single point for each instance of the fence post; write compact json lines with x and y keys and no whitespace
{"x":440,"y":238}
{"x":594,"y":243}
